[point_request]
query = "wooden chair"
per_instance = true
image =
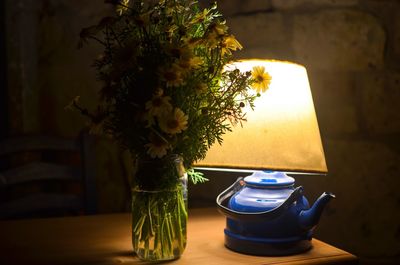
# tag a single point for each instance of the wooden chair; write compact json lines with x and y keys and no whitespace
{"x":43,"y":176}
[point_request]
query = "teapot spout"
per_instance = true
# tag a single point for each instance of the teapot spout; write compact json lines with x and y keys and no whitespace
{"x":309,"y":218}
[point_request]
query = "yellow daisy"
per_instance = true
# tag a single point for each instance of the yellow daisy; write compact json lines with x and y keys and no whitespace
{"x":122,"y":7}
{"x":199,"y":18}
{"x":174,"y":50}
{"x":185,"y":59}
{"x":157,"y":147}
{"x":172,"y":76}
{"x":186,"y":64}
{"x":170,"y":29}
{"x":219,"y":29}
{"x":158,"y":104}
{"x":230,"y":44}
{"x":261,"y":79}
{"x":174,"y":122}
{"x":215,"y":34}
{"x":200,"y":88}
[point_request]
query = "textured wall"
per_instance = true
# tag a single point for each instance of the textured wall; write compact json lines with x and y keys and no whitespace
{"x":64,"y":71}
{"x":351,"y":49}
{"x":46,"y":71}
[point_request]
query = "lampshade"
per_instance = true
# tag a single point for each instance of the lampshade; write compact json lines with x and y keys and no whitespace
{"x":281,"y":133}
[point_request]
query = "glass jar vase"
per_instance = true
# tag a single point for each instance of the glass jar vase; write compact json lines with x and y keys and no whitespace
{"x":159,"y":209}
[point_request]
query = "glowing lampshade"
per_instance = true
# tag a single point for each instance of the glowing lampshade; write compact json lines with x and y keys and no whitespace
{"x":281,"y":133}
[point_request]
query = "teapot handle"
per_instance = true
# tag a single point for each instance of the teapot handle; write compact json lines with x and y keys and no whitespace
{"x":224,"y":196}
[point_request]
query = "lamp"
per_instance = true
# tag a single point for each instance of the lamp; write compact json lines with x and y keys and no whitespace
{"x":266,"y":215}
{"x":281,"y":133}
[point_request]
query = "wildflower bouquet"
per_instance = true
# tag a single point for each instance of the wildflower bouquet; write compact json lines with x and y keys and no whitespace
{"x":166,"y":96}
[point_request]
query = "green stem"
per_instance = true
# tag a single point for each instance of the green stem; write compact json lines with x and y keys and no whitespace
{"x":159,"y":227}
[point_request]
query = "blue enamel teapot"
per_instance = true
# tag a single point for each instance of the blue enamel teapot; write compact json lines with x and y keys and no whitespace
{"x":266,"y":215}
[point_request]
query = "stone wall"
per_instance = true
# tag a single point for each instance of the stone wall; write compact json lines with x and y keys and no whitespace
{"x":351,"y":49}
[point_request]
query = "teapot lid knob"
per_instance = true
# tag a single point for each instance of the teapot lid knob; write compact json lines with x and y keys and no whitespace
{"x":272,"y":179}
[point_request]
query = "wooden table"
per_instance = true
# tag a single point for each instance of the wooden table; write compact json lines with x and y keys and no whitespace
{"x":106,"y":239}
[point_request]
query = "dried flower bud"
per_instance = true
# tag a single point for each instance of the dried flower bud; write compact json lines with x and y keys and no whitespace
{"x":155,"y":19}
{"x":87,"y":32}
{"x":182,"y":30}
{"x":105,"y":22}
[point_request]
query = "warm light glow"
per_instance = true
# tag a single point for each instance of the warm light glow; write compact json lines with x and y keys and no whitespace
{"x":281,"y":133}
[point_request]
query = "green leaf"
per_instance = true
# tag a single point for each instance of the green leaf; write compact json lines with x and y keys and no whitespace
{"x":196,"y":177}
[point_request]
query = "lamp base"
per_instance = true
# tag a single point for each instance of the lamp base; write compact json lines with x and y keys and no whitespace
{"x":266,"y":247}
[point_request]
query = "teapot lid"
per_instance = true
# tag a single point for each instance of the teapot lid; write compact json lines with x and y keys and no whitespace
{"x":272,"y":179}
